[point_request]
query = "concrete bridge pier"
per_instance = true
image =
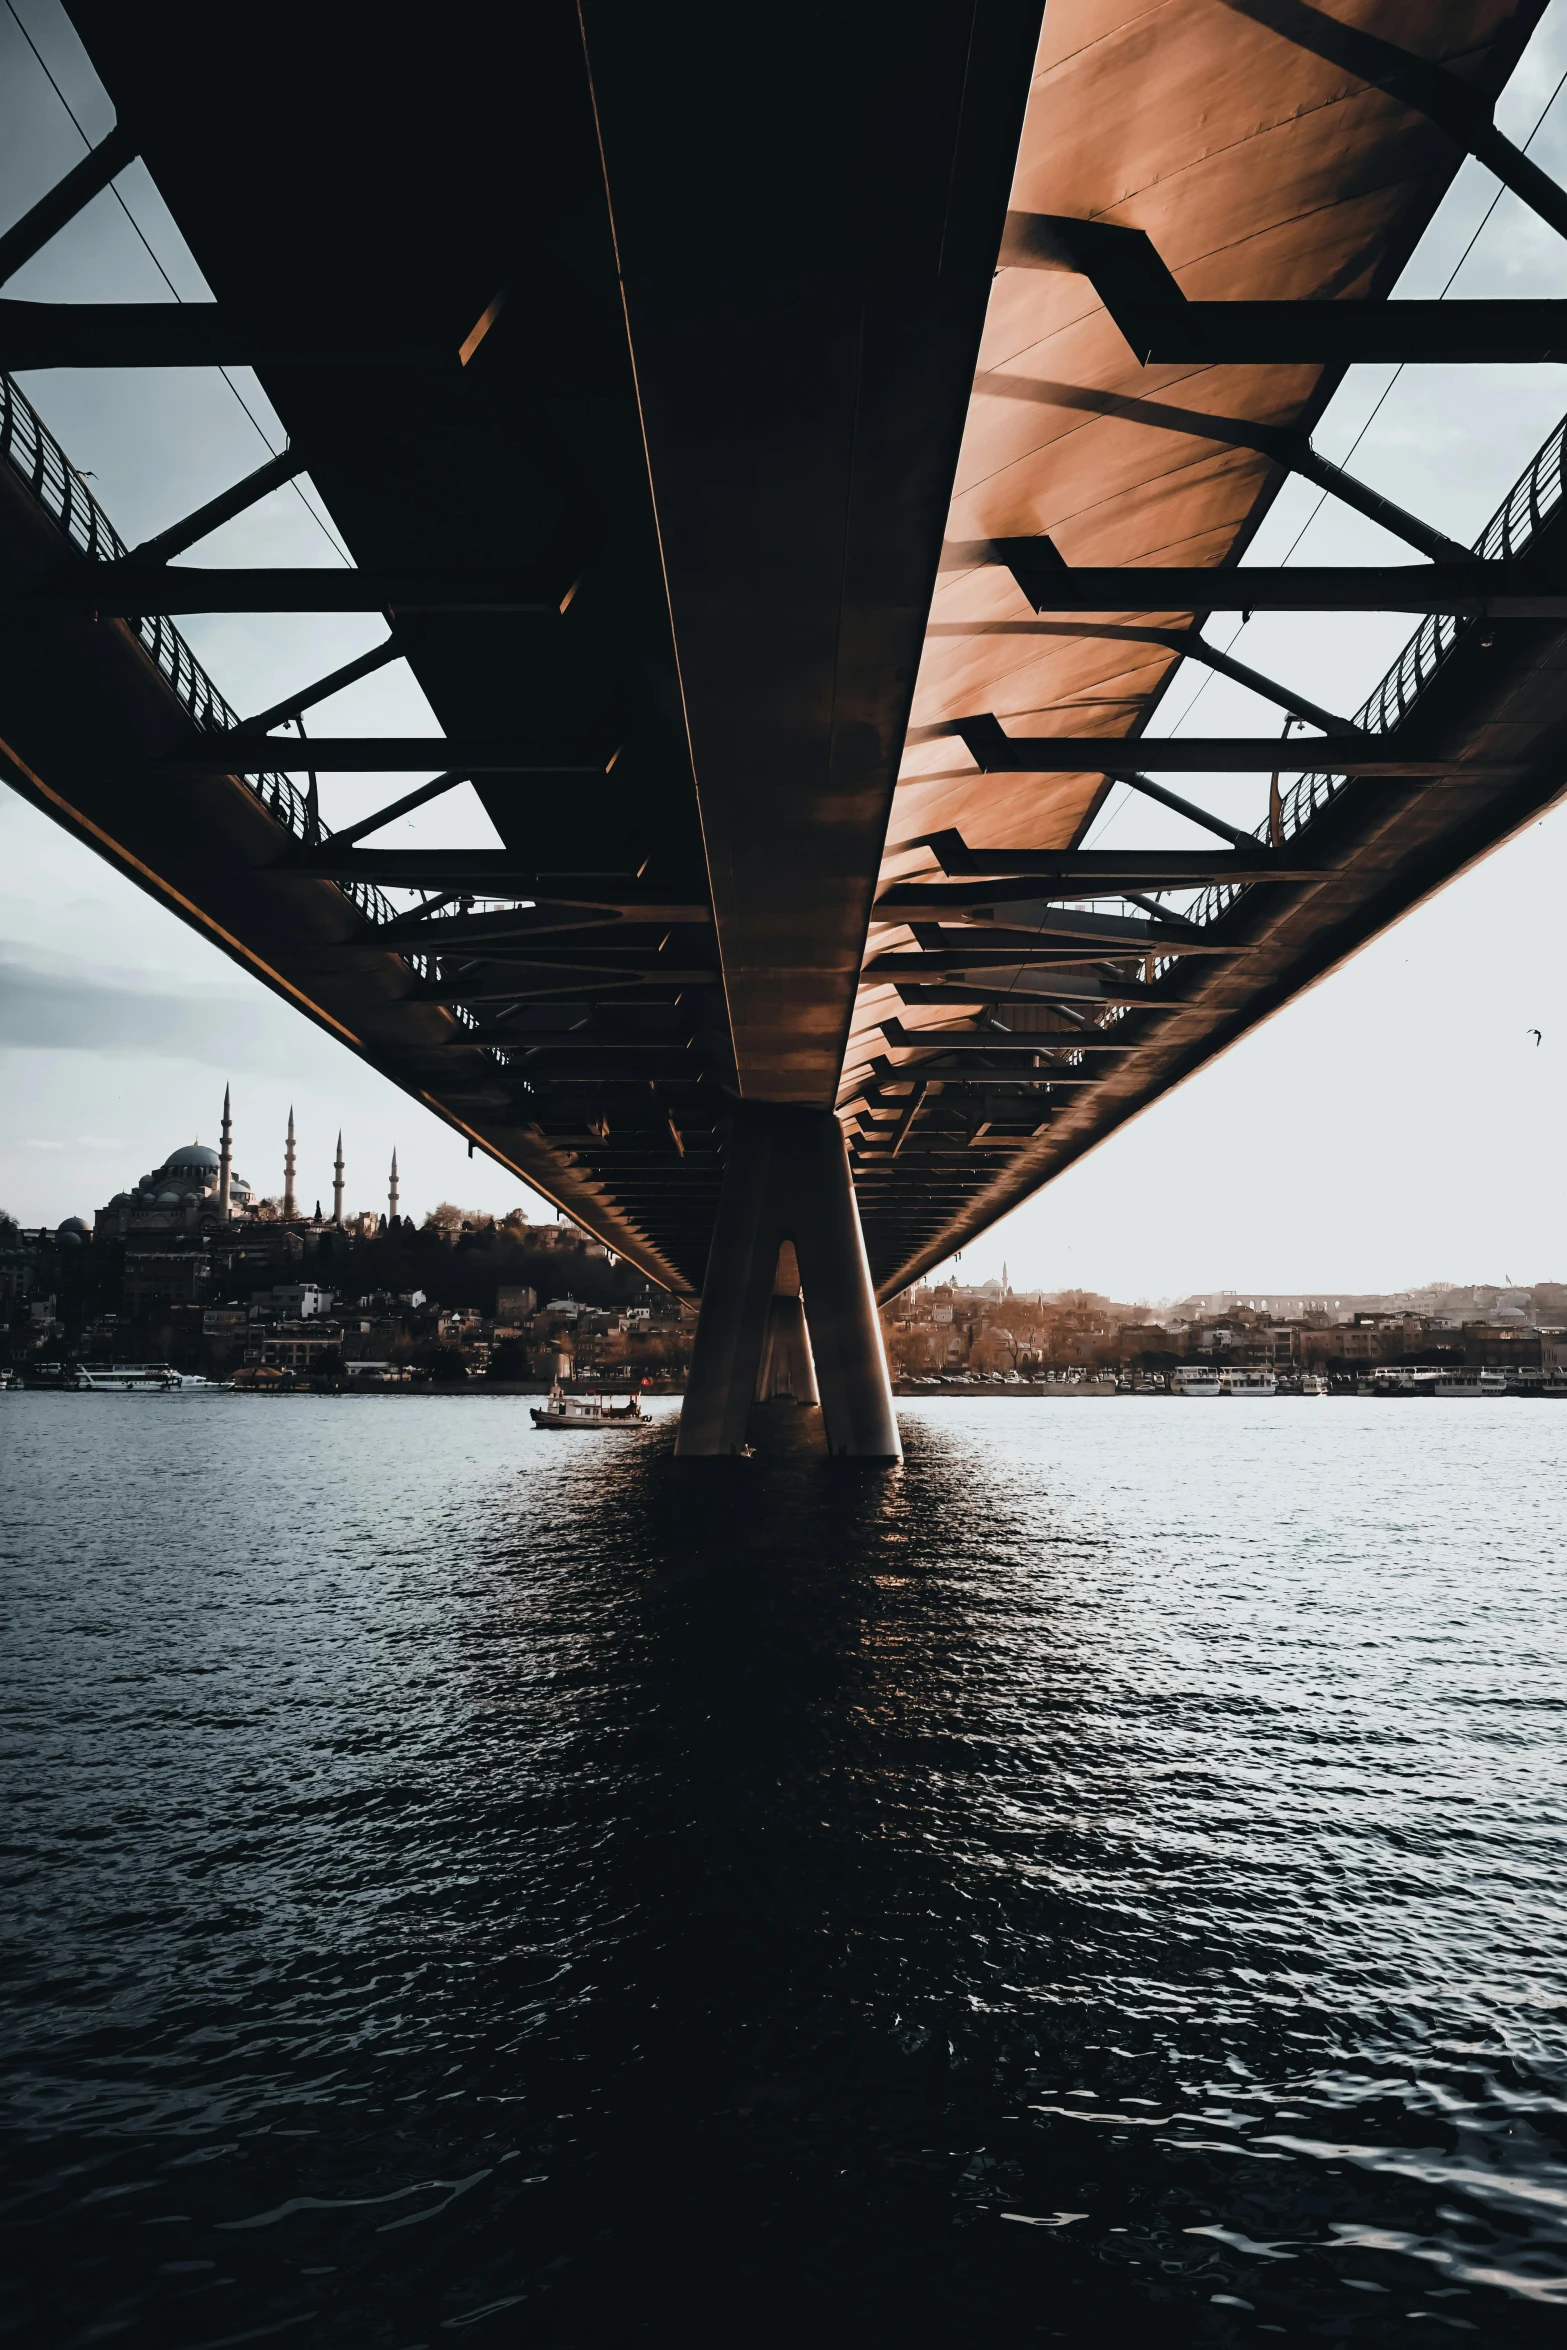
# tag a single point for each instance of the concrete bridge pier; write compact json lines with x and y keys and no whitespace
{"x":788,"y":1372}
{"x":787,"y":1190}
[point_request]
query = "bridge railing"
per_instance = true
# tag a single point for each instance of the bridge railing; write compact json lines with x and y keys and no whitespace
{"x":31,"y":451}
{"x":1528,"y":505}
{"x":34,"y":455}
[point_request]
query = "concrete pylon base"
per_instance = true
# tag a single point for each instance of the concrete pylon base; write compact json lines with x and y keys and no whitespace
{"x":788,"y":1372}
{"x":787,"y":1180}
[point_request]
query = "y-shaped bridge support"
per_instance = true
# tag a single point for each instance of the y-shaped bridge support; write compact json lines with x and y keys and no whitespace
{"x":787,"y":1179}
{"x":788,"y":1367}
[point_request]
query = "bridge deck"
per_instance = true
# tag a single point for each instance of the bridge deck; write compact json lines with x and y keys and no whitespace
{"x":720,"y":300}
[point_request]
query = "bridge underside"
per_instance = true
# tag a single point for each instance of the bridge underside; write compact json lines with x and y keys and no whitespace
{"x":716,"y":420}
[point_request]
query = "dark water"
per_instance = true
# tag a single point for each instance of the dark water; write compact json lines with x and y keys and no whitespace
{"x":1103,"y":1881}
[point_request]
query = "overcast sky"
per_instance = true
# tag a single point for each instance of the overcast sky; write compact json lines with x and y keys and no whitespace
{"x":1397,"y":1124}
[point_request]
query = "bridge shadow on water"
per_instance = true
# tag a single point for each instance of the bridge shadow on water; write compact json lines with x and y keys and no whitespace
{"x":793,"y":2129}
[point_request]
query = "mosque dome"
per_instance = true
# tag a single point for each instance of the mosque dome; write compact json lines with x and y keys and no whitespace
{"x":72,"y":1232}
{"x":196,"y":1159}
{"x":169,"y":1199}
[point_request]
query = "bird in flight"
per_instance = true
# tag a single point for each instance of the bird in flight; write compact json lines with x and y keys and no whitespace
{"x":1534,"y":1032}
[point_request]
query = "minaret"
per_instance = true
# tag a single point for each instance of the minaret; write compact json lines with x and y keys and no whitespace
{"x":225,"y":1160}
{"x":391,"y":1204}
{"x":289,"y":1207}
{"x":337,"y":1184}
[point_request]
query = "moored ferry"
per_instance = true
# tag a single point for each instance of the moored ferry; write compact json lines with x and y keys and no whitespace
{"x":1240,"y":1379}
{"x":1469,"y":1383}
{"x":115,"y":1379}
{"x":1195,"y":1379}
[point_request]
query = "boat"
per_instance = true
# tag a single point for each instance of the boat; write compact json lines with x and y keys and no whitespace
{"x":1400,"y":1379}
{"x":1238,"y":1380}
{"x":1313,"y":1383}
{"x":587,"y":1411}
{"x":131,"y":1378}
{"x":1195,"y":1379}
{"x":1469,"y":1383}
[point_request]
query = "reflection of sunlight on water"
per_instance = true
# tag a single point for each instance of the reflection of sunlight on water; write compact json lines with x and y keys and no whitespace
{"x":689,"y":1882}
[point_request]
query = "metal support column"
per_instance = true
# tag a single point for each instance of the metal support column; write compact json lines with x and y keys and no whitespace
{"x":787,"y":1179}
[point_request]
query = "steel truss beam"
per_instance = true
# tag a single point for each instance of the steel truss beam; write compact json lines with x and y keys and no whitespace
{"x":982,"y":1075}
{"x":1001,"y":1041}
{"x":1078,"y":982}
{"x":221,"y":509}
{"x":1517,"y":333}
{"x":878,"y":1162}
{"x":880,"y":1182}
{"x":1284,"y":445}
{"x":239,"y":751}
{"x":132,"y":591}
{"x":941,"y":901}
{"x":1091,"y":937}
{"x":521,"y":1048}
{"x":323,"y":689}
{"x":995,"y":752}
{"x":1184,"y":641}
{"x":501,"y":872}
{"x":564,"y":988}
{"x":1428,"y":89}
{"x":904,"y":1122}
{"x":1106,"y":869}
{"x":1065,"y":1040}
{"x":993,"y":944}
{"x":1219,"y":826}
{"x":580,"y":968}
{"x":192,"y":334}
{"x":65,"y":199}
{"x":543,"y":1081}
{"x":566,"y":997}
{"x":486,"y":938}
{"x":436,"y":789}
{"x":1476,"y":588}
{"x":1164,"y":328}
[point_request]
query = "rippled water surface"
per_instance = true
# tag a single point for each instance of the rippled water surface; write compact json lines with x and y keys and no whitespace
{"x":1104,"y":1879}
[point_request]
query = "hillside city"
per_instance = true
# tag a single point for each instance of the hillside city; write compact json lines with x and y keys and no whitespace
{"x":191,"y":1269}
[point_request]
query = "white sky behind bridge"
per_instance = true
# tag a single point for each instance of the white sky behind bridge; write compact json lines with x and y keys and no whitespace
{"x":1396,"y":1124}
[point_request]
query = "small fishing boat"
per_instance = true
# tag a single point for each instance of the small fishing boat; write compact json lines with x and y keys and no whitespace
{"x":587,"y":1411}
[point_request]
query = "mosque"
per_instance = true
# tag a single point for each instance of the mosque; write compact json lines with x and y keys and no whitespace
{"x":198,"y":1187}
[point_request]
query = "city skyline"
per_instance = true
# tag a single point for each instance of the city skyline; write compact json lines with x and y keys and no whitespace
{"x":966,"y":1272}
